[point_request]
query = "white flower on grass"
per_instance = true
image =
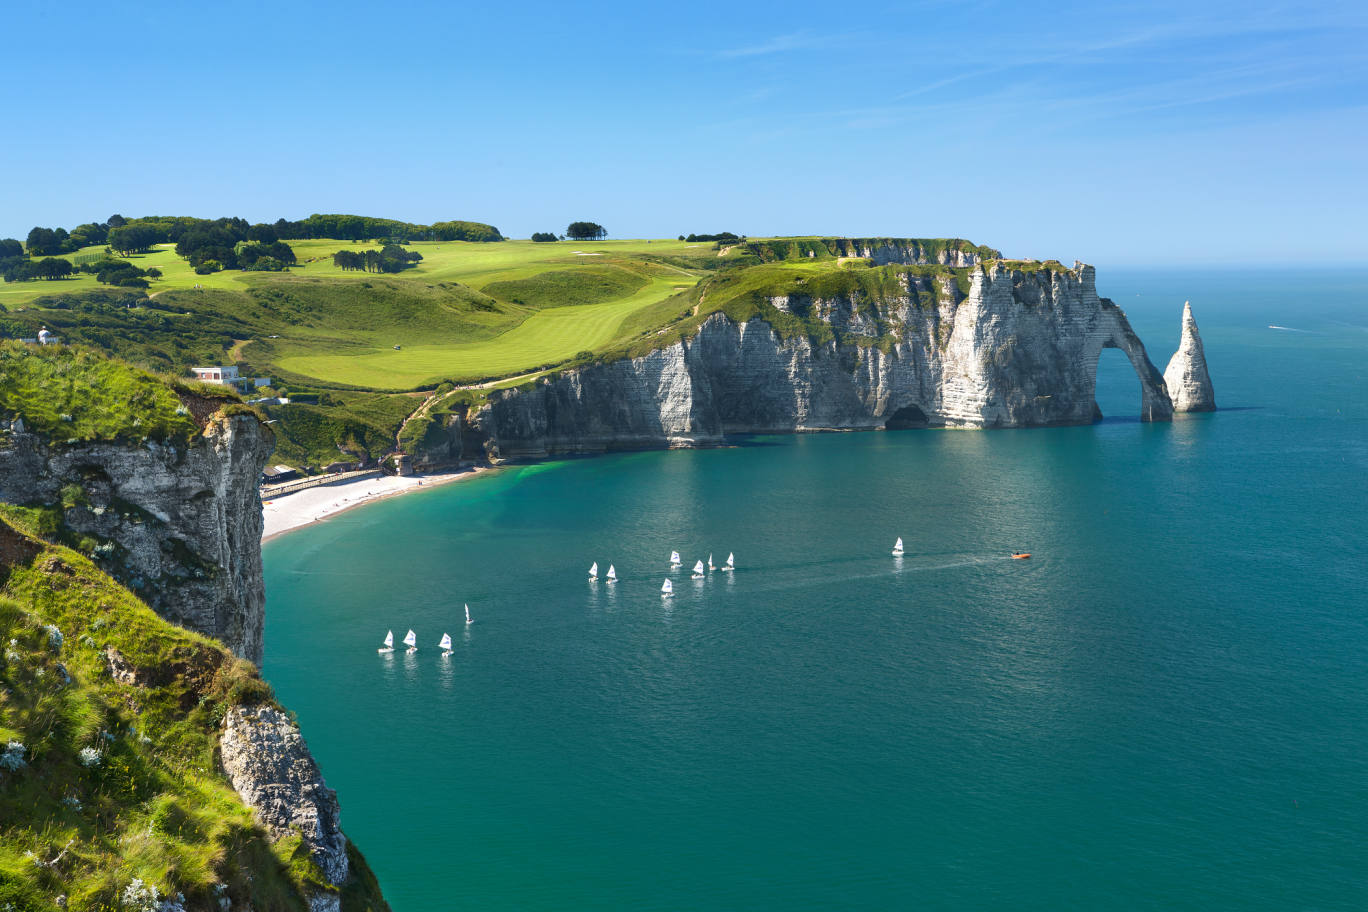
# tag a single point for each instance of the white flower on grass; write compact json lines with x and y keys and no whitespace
{"x":73,"y":803}
{"x":141,"y":896}
{"x":54,"y":637}
{"x":90,"y":757}
{"x":13,"y":756}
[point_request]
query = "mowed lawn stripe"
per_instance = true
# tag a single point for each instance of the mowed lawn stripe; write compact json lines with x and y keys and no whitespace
{"x":545,"y":337}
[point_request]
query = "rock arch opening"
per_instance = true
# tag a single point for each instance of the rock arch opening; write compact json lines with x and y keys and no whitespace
{"x":907,"y":418}
{"x":1116,"y":392}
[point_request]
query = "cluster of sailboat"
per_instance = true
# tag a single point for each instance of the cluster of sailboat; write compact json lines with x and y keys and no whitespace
{"x":667,"y":589}
{"x":411,"y":639}
{"x":699,"y":571}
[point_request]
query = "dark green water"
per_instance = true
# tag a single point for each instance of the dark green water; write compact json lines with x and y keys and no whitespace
{"x":1166,"y":708}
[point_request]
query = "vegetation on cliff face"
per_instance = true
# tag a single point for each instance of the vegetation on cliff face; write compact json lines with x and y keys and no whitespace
{"x":69,"y":394}
{"x":109,"y":784}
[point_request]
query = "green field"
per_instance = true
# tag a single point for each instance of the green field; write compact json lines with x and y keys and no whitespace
{"x":542,"y":304}
{"x":545,"y":337}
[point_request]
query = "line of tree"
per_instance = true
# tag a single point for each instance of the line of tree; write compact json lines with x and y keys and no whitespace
{"x":390,"y":258}
{"x":706,"y":238}
{"x":586,"y":231}
{"x":365,"y":228}
{"x":543,"y":237}
{"x":120,"y":273}
{"x":21,"y":269}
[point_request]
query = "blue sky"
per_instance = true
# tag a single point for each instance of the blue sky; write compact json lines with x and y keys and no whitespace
{"x":1149,"y":133}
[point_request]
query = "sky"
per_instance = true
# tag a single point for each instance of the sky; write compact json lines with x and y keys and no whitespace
{"x":1149,"y":133}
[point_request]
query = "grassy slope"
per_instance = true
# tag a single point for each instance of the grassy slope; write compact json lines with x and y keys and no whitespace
{"x":152,"y":805}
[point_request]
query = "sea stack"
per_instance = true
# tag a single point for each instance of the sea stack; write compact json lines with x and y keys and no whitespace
{"x":1189,"y":384}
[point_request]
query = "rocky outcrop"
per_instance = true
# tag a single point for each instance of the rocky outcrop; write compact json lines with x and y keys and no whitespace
{"x":1186,"y":376}
{"x":179,"y":525}
{"x":273,"y":772}
{"x":1019,"y":350}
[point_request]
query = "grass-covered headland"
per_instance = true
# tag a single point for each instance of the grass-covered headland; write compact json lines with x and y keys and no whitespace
{"x":364,"y":313}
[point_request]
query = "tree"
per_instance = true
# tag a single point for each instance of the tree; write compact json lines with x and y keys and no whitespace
{"x":543,"y":237}
{"x":116,"y":221}
{"x":133,"y":238}
{"x":262,"y":234}
{"x":586,"y":231}
{"x":9,"y":247}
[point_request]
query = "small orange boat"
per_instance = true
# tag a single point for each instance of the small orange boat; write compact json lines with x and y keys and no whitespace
{"x":1021,"y":555}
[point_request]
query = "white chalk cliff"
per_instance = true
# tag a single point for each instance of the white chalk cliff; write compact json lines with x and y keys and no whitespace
{"x":1186,"y":376}
{"x":1019,"y":350}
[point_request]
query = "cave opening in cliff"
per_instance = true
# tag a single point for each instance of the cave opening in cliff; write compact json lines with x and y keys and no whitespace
{"x":906,"y":418}
{"x":1118,"y":393}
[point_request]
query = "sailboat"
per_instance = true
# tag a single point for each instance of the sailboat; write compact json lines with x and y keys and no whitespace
{"x":445,"y":645}
{"x":389,"y":643}
{"x":612,"y":574}
{"x":593,"y":571}
{"x":674,"y":559}
{"x":667,"y":590}
{"x":731,"y":562}
{"x":710,"y":564}
{"x":897,"y":548}
{"x":411,"y":641}
{"x":468,"y":620}
{"x":698,"y":570}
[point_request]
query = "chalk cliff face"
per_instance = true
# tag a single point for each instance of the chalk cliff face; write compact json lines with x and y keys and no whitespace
{"x":180,"y":526}
{"x":1019,"y":350}
{"x":273,"y":772}
{"x":1186,"y":375}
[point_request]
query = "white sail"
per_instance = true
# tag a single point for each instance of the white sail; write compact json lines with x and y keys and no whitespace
{"x":698,"y":569}
{"x":668,"y":588}
{"x":446,"y":641}
{"x":389,"y":639}
{"x":612,"y":574}
{"x":411,"y":640}
{"x":731,"y":561}
{"x":593,"y":571}
{"x":710,"y":563}
{"x":898,"y":547}
{"x":674,"y":558}
{"x":468,"y":614}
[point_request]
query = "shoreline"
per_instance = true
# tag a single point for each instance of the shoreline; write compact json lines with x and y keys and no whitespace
{"x":287,"y":513}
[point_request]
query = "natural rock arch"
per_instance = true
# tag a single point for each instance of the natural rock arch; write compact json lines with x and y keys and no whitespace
{"x":1116,"y":333}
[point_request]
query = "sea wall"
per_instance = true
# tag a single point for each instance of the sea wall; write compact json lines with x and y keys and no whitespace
{"x":1020,"y":349}
{"x":178,"y":525}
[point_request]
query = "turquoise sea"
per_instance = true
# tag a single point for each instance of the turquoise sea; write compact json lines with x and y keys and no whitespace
{"x":1165,"y":708}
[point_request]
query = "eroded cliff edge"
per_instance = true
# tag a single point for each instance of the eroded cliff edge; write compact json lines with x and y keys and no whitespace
{"x":1018,"y":348}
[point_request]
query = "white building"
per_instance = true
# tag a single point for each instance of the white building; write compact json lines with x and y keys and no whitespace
{"x":221,"y":375}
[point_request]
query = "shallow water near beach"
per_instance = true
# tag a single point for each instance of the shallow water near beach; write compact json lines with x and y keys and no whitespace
{"x":1165,"y":708}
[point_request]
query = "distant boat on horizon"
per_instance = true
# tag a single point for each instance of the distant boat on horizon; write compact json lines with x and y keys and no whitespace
{"x":593,"y":571}
{"x":445,"y":645}
{"x":468,"y":620}
{"x":389,"y":643}
{"x":612,"y":574}
{"x":411,"y":641}
{"x":674,"y":559}
{"x":698,"y":570}
{"x":667,"y":590}
{"x":898,"y":548}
